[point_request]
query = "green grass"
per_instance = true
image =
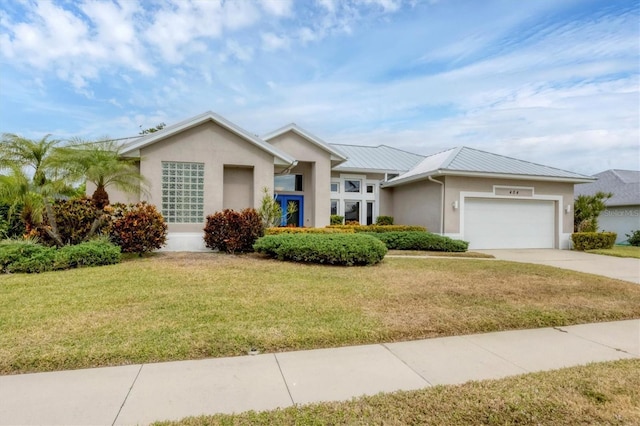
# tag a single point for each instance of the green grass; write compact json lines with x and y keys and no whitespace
{"x":468,"y":254}
{"x":619,"y":251}
{"x":190,"y":306}
{"x":596,"y":394}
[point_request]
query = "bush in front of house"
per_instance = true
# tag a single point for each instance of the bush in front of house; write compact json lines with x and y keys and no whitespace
{"x":232,"y":231}
{"x":137,"y":228}
{"x":27,"y":256}
{"x":329,"y":249}
{"x":384,"y":220}
{"x":593,"y":240}
{"x":379,"y":228}
{"x":336,"y":219}
{"x":634,"y":238}
{"x":417,"y":240}
{"x":74,"y":219}
{"x":96,"y":252}
{"x":11,"y":226}
{"x":289,"y":230}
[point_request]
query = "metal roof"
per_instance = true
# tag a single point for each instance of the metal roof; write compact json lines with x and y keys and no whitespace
{"x":465,"y":161}
{"x":133,"y":148}
{"x":623,"y":184}
{"x":380,"y":158}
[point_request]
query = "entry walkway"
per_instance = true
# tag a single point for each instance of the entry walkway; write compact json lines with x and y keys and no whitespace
{"x":140,"y":394}
{"x":626,"y":269}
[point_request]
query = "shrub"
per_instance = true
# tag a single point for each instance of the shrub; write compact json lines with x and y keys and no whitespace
{"x":593,"y":240}
{"x":330,"y":249}
{"x":587,"y":209}
{"x":634,"y":238}
{"x":384,"y":220}
{"x":287,"y":230}
{"x":25,"y":256}
{"x":11,"y":226}
{"x":415,"y":240}
{"x":336,"y":219}
{"x":231,"y":231}
{"x":137,"y":228}
{"x":270,"y":211}
{"x":379,"y":228}
{"x":97,"y":252}
{"x":74,"y":218}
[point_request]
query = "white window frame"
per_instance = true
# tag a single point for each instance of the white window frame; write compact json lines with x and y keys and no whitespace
{"x":363,"y":196}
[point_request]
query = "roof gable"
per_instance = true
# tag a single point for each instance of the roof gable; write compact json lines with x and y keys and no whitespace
{"x":623,"y":184}
{"x":336,"y":155}
{"x":132,"y":149}
{"x":465,"y":161}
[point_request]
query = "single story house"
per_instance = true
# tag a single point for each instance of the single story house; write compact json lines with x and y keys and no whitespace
{"x":622,"y":214}
{"x":206,"y":164}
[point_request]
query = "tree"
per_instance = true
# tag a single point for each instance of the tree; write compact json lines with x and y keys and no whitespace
{"x":587,"y":209}
{"x":32,"y":178}
{"x":152,"y":129}
{"x":102,"y":164}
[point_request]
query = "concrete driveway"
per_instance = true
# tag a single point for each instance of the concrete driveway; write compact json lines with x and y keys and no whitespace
{"x":625,"y":269}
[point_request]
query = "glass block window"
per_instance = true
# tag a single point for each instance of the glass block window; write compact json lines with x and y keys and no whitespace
{"x":183,"y":192}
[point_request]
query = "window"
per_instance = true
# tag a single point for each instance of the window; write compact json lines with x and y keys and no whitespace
{"x":369,"y":213}
{"x":369,"y":189}
{"x":335,"y":187}
{"x":352,"y":211}
{"x":334,"y":206}
{"x":352,"y":185}
{"x":288,"y":182}
{"x":183,"y":192}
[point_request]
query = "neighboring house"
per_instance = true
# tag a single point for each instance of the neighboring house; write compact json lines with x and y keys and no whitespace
{"x":622,"y":215}
{"x":206,"y":164}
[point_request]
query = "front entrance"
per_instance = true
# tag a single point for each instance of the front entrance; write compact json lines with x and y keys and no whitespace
{"x":295,"y":219}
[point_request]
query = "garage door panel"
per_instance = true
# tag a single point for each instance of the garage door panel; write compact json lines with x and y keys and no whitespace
{"x":507,"y":223}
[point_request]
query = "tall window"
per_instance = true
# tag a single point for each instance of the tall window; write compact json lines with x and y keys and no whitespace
{"x":352,"y":211}
{"x":183,"y":192}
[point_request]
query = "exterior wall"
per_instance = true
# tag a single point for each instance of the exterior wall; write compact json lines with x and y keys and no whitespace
{"x":315,"y":165}
{"x":418,"y":203}
{"x":457,"y":187}
{"x":238,"y":188}
{"x":385,"y":202}
{"x":215,"y":147}
{"x":621,"y":220}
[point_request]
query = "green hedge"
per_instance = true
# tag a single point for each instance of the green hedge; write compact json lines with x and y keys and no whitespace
{"x":379,"y":228}
{"x":593,"y":240}
{"x":29,"y":257}
{"x":331,"y":249}
{"x":415,"y":240}
{"x":288,"y":230}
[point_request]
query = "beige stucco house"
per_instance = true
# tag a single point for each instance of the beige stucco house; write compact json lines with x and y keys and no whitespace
{"x":206,"y":164}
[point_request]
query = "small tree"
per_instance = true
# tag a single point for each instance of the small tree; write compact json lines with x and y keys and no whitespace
{"x":270,"y":211}
{"x":587,"y":209}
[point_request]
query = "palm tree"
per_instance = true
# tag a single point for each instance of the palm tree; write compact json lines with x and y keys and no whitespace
{"x":100,"y":163}
{"x":33,"y":178}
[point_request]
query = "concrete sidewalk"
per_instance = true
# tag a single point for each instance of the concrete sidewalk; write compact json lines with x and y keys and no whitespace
{"x":626,"y":269}
{"x":140,"y":394}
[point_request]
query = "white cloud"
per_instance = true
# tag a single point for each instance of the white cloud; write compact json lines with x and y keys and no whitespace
{"x":271,"y":41}
{"x":277,"y":7}
{"x":386,"y":5}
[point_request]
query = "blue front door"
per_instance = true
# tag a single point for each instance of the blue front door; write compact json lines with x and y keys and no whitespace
{"x":294,"y":219}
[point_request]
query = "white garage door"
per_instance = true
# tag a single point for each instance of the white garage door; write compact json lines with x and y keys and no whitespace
{"x":503,"y":223}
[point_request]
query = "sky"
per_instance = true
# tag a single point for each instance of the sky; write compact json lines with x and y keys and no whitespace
{"x":547,"y":81}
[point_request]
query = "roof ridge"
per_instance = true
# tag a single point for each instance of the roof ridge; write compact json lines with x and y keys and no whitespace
{"x":521,"y":161}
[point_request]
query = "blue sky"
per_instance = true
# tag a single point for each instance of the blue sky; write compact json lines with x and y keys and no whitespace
{"x":553,"y":82}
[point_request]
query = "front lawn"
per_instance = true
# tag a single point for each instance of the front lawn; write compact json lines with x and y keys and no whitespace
{"x":597,"y":394}
{"x":176,"y":306}
{"x":619,"y":251}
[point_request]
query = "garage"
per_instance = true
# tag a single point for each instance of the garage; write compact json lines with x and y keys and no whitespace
{"x":497,"y":223}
